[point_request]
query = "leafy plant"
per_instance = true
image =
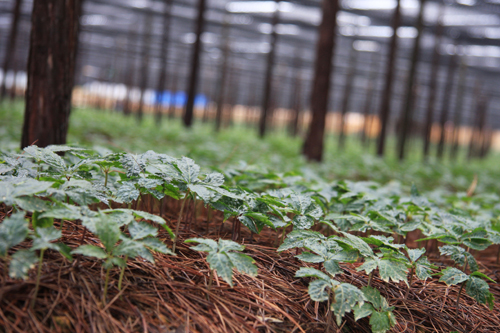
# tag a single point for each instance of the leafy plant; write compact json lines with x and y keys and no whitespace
{"x":223,"y":256}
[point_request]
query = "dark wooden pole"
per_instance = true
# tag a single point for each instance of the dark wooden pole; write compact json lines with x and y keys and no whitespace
{"x":431,"y":102}
{"x":266,"y":101}
{"x":144,"y":73}
{"x":385,"y":107}
{"x":349,"y":80}
{"x":51,"y":71}
{"x":296,"y":97}
{"x":223,"y":74}
{"x":173,"y":91}
{"x":445,"y":106}
{"x":325,"y":49}
{"x":195,"y":64}
{"x":410,"y":87}
{"x":370,"y":95}
{"x":162,"y":78}
{"x":459,"y":107}
{"x":478,"y":126}
{"x":10,"y":50}
{"x":130,"y":77}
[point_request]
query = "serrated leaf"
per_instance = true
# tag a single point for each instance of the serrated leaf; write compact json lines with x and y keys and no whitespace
{"x":243,"y":263}
{"x":381,"y":322}
{"x":478,"y":289}
{"x":223,"y":265}
{"x":44,"y":238}
{"x":210,"y":244}
{"x":346,"y":297}
{"x":302,"y":222}
{"x":362,"y":311}
{"x":127,"y":192}
{"x":310,"y":257}
{"x":128,"y":247}
{"x":141,"y":230}
{"x":311,"y":272}
{"x":332,"y":267}
{"x":297,"y":238}
{"x":392,"y":270}
{"x":156,"y":245}
{"x":22,"y":261}
{"x":189,"y":171}
{"x":90,"y":251}
{"x":13,"y":230}
{"x":317,"y":290}
{"x":214,"y":179}
{"x":355,"y":243}
{"x":108,"y":232}
{"x":452,"y":276}
{"x":227,"y":245}
{"x":415,"y":254}
{"x":133,"y":164}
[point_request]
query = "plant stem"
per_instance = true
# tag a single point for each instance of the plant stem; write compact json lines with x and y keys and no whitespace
{"x":122,"y":273}
{"x":179,"y":221}
{"x":370,"y":279}
{"x":459,"y":293}
{"x":106,"y":172}
{"x":106,"y":281}
{"x":409,"y":285}
{"x":38,"y":275}
{"x":210,"y":281}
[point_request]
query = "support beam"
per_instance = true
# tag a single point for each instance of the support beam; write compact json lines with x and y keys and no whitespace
{"x":325,"y":49}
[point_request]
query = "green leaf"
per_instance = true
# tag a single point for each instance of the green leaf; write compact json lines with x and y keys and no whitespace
{"x":189,"y":171}
{"x":227,"y":245}
{"x":22,"y":261}
{"x":362,"y":311}
{"x":32,"y":204}
{"x":302,"y":222}
{"x":317,"y":290}
{"x":214,"y":179}
{"x":356,"y":243}
{"x":127,"y":192}
{"x":44,"y":237}
{"x":209,"y":245}
{"x":223,"y":265}
{"x":332,"y":267}
{"x":392,"y":270}
{"x":478,"y":289}
{"x":481,"y":275}
{"x":13,"y":231}
{"x":309,"y":257}
{"x":90,"y":251}
{"x":346,"y":297}
{"x":243,"y":263}
{"x":381,"y":322}
{"x":373,"y":296}
{"x":297,"y":238}
{"x":311,"y":272}
{"x":129,"y":247}
{"x":415,"y":254}
{"x":452,"y":276}
{"x":459,"y":255}
{"x":141,"y":230}
{"x":108,"y":232}
{"x":156,"y":245}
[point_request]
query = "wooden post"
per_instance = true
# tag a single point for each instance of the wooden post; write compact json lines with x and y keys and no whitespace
{"x":459,"y":107}
{"x":195,"y":64}
{"x":10,"y":50}
{"x":325,"y":49}
{"x":385,"y":107}
{"x":370,"y":95}
{"x":221,"y":85}
{"x":266,"y":101}
{"x":173,"y":90}
{"x":148,"y":22}
{"x":445,"y":106}
{"x":349,"y":80}
{"x":160,"y":88}
{"x":130,"y":78}
{"x":431,"y":102}
{"x":296,"y":97}
{"x":51,"y":71}
{"x":410,"y":87}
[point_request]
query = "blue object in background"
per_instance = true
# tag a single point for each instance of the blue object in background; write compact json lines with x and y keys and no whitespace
{"x":179,"y":98}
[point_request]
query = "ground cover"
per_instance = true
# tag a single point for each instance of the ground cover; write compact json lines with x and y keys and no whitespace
{"x":96,"y":240}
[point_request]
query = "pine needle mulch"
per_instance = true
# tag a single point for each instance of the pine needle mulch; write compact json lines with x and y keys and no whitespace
{"x":172,"y":297}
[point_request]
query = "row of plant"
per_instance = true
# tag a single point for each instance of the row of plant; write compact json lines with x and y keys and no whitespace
{"x":360,"y":222}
